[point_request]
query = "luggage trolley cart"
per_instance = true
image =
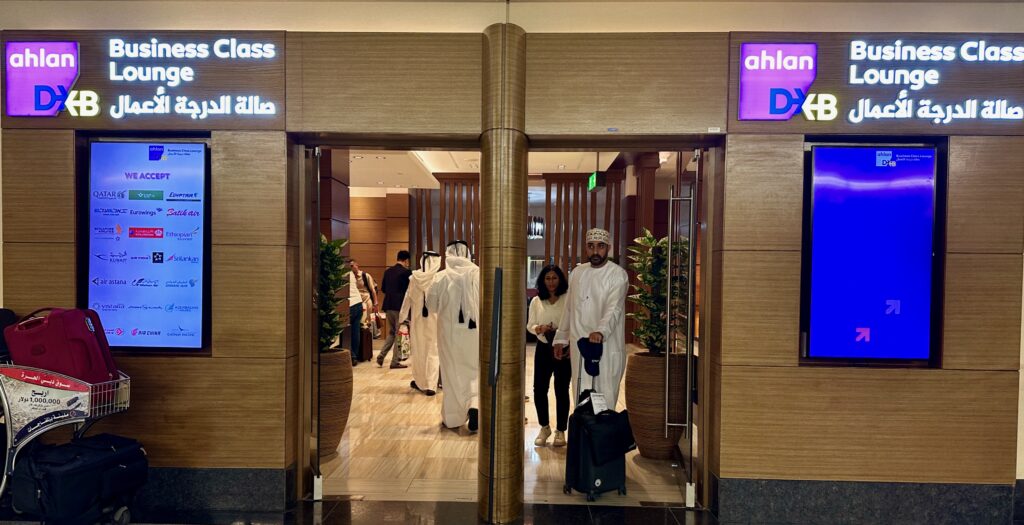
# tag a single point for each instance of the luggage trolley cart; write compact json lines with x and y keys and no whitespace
{"x":36,"y":401}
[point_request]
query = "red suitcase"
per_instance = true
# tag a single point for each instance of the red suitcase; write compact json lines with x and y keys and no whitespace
{"x":69,"y":342}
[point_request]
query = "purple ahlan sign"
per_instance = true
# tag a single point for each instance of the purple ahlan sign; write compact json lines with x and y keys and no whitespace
{"x":775,"y":79}
{"x":39,"y":77}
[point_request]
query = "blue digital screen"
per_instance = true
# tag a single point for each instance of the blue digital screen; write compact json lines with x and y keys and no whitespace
{"x":871,"y":260}
{"x":146,"y":229}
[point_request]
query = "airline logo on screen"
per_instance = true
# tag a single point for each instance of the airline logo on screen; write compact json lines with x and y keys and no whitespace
{"x":775,"y":83}
{"x":39,"y":77}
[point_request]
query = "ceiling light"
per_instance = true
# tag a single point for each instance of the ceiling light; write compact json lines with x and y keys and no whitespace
{"x":380,"y":183}
{"x":357,"y":157}
{"x":561,"y":166}
{"x":380,"y":157}
{"x":398,"y":185}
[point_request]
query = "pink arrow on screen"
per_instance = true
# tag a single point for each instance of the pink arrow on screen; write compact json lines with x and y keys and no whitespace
{"x":863,"y":334}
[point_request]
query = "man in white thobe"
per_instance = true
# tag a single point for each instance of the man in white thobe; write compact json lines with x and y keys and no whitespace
{"x":595,"y":310}
{"x":422,"y":324}
{"x":455,"y":296}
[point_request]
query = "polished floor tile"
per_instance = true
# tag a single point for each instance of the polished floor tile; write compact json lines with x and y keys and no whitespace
{"x":394,"y":433}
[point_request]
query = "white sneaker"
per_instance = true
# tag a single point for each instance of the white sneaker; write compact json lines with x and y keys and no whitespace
{"x":559,"y":439}
{"x":542,"y":436}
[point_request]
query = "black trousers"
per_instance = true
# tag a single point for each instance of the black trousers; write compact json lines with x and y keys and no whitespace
{"x":544,"y":366}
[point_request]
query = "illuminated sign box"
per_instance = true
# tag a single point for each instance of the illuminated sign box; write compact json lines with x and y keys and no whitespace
{"x":887,"y":83}
{"x":144,"y":80}
{"x":870,"y":266}
{"x":147,"y":266}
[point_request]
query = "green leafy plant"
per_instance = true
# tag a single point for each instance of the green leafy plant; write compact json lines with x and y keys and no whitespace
{"x":648,"y":258}
{"x":334,"y":274}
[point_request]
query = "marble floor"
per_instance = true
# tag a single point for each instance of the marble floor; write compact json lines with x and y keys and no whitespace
{"x":394,"y":449}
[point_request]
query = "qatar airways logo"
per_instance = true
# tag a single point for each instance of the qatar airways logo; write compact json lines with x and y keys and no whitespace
{"x":775,"y":83}
{"x":39,"y":77}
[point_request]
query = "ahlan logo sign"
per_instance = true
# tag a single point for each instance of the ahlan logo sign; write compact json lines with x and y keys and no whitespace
{"x":775,"y":83}
{"x":39,"y":77}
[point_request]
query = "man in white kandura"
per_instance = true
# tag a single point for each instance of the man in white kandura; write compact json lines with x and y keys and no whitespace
{"x":595,"y":310}
{"x":422,"y":324}
{"x":455,"y":296}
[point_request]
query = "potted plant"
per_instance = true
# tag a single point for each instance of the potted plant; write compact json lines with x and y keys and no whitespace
{"x":645,"y":370}
{"x":335,"y":362}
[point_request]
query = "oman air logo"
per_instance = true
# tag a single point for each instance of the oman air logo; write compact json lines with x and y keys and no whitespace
{"x":39,"y":77}
{"x":775,"y":83}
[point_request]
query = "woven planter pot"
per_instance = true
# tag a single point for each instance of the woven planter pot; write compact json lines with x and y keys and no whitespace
{"x":335,"y":400}
{"x":645,"y":400}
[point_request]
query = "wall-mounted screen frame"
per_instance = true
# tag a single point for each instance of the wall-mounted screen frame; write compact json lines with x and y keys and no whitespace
{"x":873,"y":249}
{"x":138,"y":198}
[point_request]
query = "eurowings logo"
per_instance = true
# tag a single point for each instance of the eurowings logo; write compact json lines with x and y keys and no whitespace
{"x":775,"y":83}
{"x":39,"y":77}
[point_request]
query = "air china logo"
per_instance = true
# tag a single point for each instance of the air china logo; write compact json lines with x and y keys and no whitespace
{"x":181,"y":283}
{"x":184,"y":236}
{"x":183,"y":197}
{"x":145,"y":233}
{"x":113,"y":257}
{"x":109,"y":282}
{"x":107,"y":195}
{"x":146,"y":283}
{"x":39,"y":77}
{"x":144,"y":333}
{"x":171,"y":212}
{"x":775,"y":83}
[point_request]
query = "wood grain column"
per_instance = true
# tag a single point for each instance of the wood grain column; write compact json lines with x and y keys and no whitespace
{"x":503,"y":180}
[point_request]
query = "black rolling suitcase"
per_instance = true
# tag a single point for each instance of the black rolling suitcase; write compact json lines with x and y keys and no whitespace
{"x":85,"y":481}
{"x":595,"y":459}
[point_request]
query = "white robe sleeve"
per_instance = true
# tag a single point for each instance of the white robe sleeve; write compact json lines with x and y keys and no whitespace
{"x":434,"y":294}
{"x":614,"y":305}
{"x":403,"y":313}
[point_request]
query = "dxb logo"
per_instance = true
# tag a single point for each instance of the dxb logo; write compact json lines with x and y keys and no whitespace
{"x":39,"y":78}
{"x":775,"y":83}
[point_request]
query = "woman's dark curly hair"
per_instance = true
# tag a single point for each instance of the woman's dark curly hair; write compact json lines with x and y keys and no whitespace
{"x":563,"y":283}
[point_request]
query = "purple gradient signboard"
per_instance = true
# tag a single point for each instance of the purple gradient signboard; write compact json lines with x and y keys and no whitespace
{"x":775,"y":79}
{"x":39,"y":77}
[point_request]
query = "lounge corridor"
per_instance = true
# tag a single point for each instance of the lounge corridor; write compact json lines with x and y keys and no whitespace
{"x":395,"y":449}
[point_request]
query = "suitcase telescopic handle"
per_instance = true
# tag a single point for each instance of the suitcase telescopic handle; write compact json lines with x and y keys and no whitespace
{"x":32,"y":319}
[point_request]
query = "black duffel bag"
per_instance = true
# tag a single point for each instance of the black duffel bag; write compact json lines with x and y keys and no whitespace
{"x":79,"y":481}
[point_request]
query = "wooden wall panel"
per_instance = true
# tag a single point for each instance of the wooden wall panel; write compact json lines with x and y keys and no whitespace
{"x":763,"y":192}
{"x":38,"y":163}
{"x":391,"y":252}
{"x":233,"y":408}
{"x":249,"y":187}
{"x":334,"y":200}
{"x":760,"y":308}
{"x":398,"y":204}
{"x":38,"y":275}
{"x":335,"y":230}
{"x":413,"y":83}
{"x":398,"y":229}
{"x":572,"y":77}
{"x":982,"y":312}
{"x":857,"y":424}
{"x":986,"y":195}
{"x":365,"y":231}
{"x":369,"y":255}
{"x":373,"y":208}
{"x":249,"y":297}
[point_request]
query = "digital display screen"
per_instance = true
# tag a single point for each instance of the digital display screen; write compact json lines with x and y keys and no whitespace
{"x":872,"y":223}
{"x":146,"y":242}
